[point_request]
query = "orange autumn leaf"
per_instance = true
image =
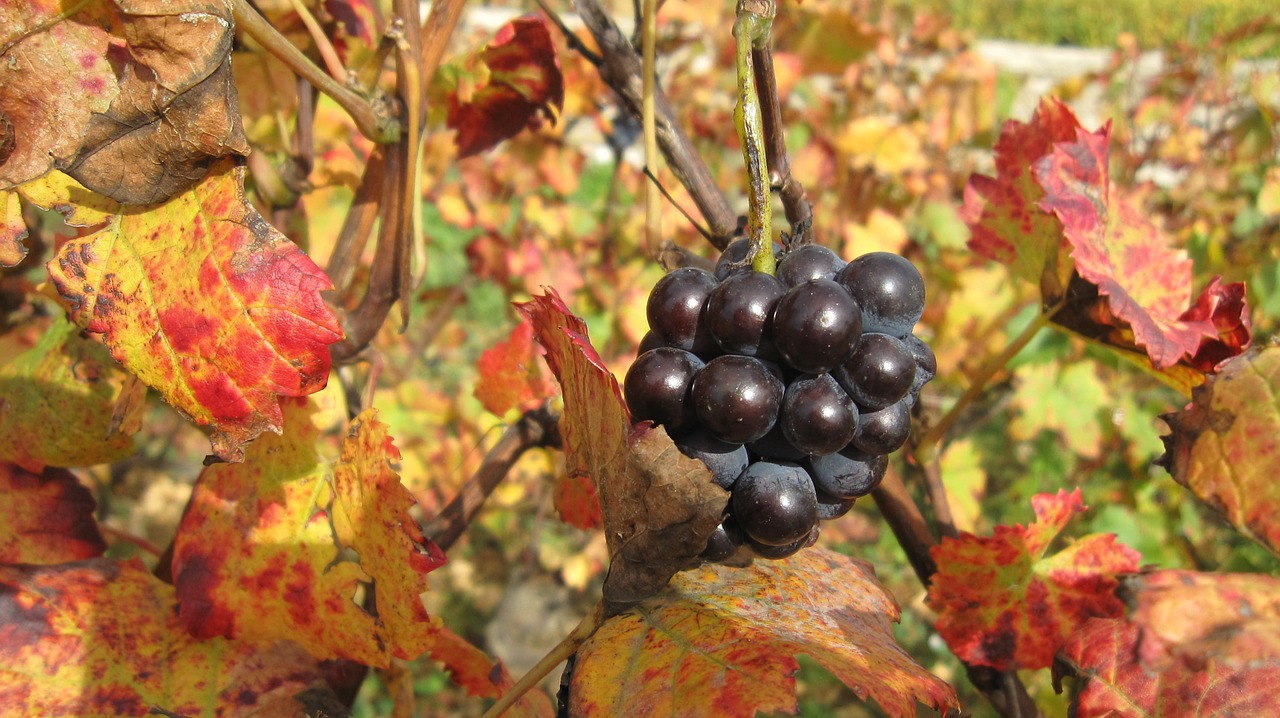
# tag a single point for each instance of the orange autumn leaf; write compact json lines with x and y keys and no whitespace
{"x":99,"y":638}
{"x":46,"y":518}
{"x":206,"y":303}
{"x":722,"y":642}
{"x":257,"y":556}
{"x":513,"y":375}
{"x":57,"y":400}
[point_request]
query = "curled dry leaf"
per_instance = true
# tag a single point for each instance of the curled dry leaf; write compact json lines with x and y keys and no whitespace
{"x":102,"y":638}
{"x":1224,"y":446}
{"x":206,"y":303}
{"x":46,"y":518}
{"x":722,"y":642}
{"x":659,"y":506}
{"x":1002,"y":603}
{"x":1112,"y":682}
{"x":57,"y":401}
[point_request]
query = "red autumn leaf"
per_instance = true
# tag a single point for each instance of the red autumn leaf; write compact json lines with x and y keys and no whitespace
{"x":659,"y":507}
{"x":1116,"y":248}
{"x":206,"y":303}
{"x":511,"y":83}
{"x":57,"y":401}
{"x":46,"y":518}
{"x":257,"y":554}
{"x":1234,"y":618}
{"x":722,"y":642}
{"x":1006,"y":224}
{"x":13,"y":229}
{"x":102,"y":638}
{"x":1114,"y":683}
{"x":1224,"y":446}
{"x":1226,"y":307}
{"x":1002,"y":603}
{"x":513,"y":375}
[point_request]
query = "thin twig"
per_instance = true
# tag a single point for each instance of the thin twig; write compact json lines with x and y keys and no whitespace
{"x":570,"y":38}
{"x":683,"y":212}
{"x":555,"y":657}
{"x":327,"y":52}
{"x":539,"y":427}
{"x":621,"y":70}
{"x":652,"y":205}
{"x":375,"y":125}
{"x":795,"y":203}
{"x":122,"y":535}
{"x":932,"y":471}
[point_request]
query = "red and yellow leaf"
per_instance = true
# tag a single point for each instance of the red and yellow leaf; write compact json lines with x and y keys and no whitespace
{"x":511,"y":83}
{"x":1114,"y":683}
{"x":56,"y":403}
{"x":101,"y":638}
{"x":1224,"y":446}
{"x":1002,"y":213}
{"x":659,"y":506}
{"x":46,"y":518}
{"x":54,"y":76}
{"x":1232,"y":617}
{"x":513,"y":375}
{"x":13,"y":229}
{"x":206,"y":303}
{"x":257,"y":554}
{"x":722,"y":642}
{"x":1002,"y":603}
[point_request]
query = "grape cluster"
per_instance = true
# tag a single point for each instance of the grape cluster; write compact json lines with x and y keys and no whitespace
{"x":792,"y":389}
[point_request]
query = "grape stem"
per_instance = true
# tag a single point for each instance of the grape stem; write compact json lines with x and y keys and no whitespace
{"x":795,"y":203}
{"x":555,"y":657}
{"x":751,"y":30}
{"x":652,"y":199}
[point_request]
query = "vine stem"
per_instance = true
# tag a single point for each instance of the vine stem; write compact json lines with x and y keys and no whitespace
{"x":993,"y":366}
{"x":751,"y":29}
{"x":374,"y":125}
{"x":555,"y":657}
{"x":652,"y":198}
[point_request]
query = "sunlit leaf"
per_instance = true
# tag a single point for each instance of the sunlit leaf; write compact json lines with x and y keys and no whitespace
{"x":98,"y":638}
{"x":46,"y":518}
{"x":722,"y":642}
{"x":1002,"y":603}
{"x":1225,"y":445}
{"x":1068,"y":401}
{"x":56,"y":403}
{"x":511,"y":83}
{"x":659,"y":506}
{"x":257,"y":556}
{"x":206,"y":303}
{"x":1113,"y":682}
{"x":12,"y":230}
{"x":513,"y":374}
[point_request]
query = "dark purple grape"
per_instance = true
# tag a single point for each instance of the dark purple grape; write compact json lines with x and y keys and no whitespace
{"x":774,"y":503}
{"x":651,"y":340}
{"x":676,"y":307}
{"x":736,"y":254}
{"x":889,"y":289}
{"x":725,"y":461}
{"x":817,"y":416}
{"x":882,"y":432}
{"x":879,"y":373}
{"x":808,"y":261}
{"x":774,"y":446}
{"x":926,"y":362}
{"x":739,"y":311}
{"x":831,"y":507}
{"x":724,"y":543}
{"x":657,"y":387}
{"x":773,"y":553}
{"x":849,"y":473}
{"x":816,"y":325}
{"x":737,"y":398}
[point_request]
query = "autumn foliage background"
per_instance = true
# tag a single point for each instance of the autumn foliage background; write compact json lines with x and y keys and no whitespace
{"x":219,"y":500}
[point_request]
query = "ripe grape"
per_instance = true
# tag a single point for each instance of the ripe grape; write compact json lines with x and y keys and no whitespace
{"x":737,"y":398}
{"x":774,"y":445}
{"x":774,"y":503}
{"x":888,"y":288}
{"x":817,"y":416}
{"x":848,"y":473}
{"x":724,"y":542}
{"x":725,"y":461}
{"x":657,"y":387}
{"x":736,"y":254}
{"x":808,"y":261}
{"x":774,"y":553}
{"x":926,"y":362}
{"x":676,"y":306}
{"x":831,"y":507}
{"x":883,"y":431}
{"x":816,"y":325}
{"x":879,"y":373}
{"x":739,"y":310}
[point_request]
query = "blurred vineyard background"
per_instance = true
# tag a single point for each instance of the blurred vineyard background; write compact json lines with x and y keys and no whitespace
{"x":889,"y":107}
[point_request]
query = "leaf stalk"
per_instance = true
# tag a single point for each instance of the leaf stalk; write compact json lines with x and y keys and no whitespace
{"x":751,"y":30}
